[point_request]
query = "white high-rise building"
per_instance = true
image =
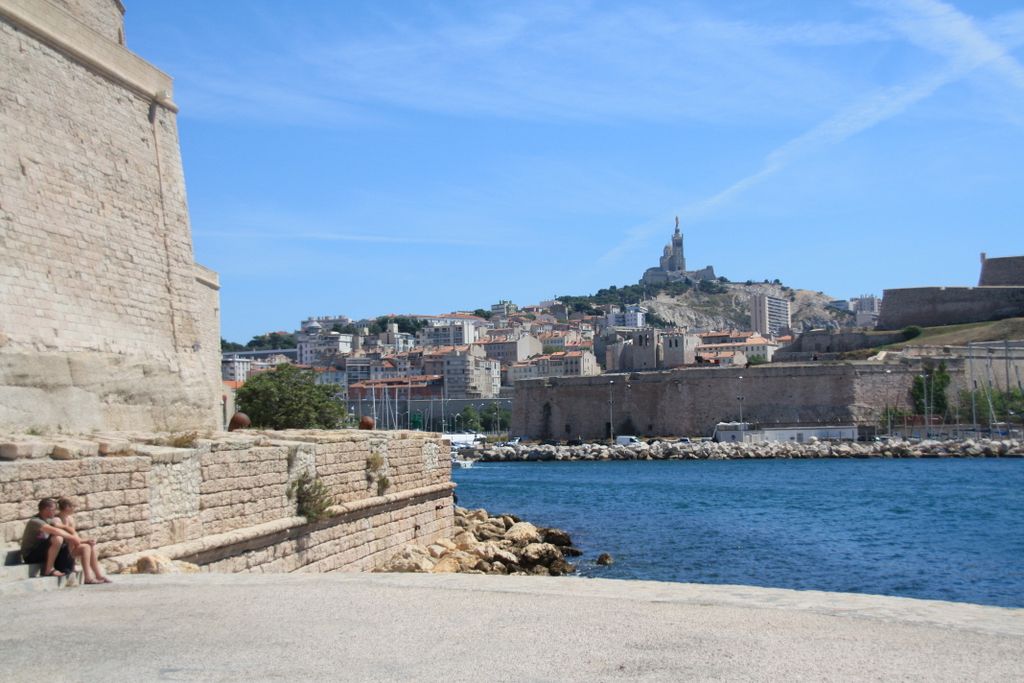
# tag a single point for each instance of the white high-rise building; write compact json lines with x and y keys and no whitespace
{"x":769,"y":315}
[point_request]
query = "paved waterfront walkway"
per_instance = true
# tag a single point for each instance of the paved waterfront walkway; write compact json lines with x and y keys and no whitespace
{"x":481,"y":628}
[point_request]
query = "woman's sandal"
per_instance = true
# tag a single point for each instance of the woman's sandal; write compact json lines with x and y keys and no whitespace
{"x":55,"y":572}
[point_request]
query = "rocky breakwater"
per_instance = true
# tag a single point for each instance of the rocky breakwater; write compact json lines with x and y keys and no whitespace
{"x":709,"y":450}
{"x":503,"y":544}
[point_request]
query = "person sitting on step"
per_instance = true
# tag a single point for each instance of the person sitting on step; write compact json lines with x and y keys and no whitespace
{"x":44,"y":543}
{"x":84,"y":551}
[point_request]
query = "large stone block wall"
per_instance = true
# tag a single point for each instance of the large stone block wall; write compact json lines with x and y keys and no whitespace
{"x":931,"y":306}
{"x":103,"y":324}
{"x":224,"y":501}
{"x":693,"y":401}
{"x":105,"y":17}
{"x":1005,"y":271}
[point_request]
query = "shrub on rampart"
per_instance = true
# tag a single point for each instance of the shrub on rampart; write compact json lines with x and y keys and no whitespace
{"x":288,"y":398}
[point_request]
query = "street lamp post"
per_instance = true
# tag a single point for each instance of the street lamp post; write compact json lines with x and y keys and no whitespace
{"x":888,"y":395}
{"x":611,"y":417}
{"x":740,"y":399}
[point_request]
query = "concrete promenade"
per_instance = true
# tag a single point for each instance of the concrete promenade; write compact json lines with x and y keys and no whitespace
{"x":221,"y":627}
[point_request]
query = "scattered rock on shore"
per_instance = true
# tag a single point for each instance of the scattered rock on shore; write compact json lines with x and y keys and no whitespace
{"x":489,"y":545}
{"x":710,"y":450}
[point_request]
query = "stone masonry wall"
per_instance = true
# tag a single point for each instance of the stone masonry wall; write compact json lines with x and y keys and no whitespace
{"x":226,"y":498}
{"x":930,"y":306}
{"x":106,"y":17}
{"x":693,"y":401}
{"x":102,"y":323}
{"x":1005,"y":271}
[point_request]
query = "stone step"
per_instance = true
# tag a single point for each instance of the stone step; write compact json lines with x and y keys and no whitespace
{"x":17,"y":577}
{"x":11,"y":555}
{"x":17,"y":572}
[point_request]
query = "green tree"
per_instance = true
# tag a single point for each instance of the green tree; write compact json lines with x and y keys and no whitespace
{"x":494,"y":418}
{"x":272,"y":340}
{"x":226,"y":345}
{"x":288,"y":398}
{"x":933,"y":385}
{"x":482,"y":313}
{"x":470,"y":419}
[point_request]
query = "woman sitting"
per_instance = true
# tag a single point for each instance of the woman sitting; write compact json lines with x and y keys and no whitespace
{"x":84,"y":550}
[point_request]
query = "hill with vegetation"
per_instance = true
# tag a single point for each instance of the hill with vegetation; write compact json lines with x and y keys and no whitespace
{"x":712,"y":304}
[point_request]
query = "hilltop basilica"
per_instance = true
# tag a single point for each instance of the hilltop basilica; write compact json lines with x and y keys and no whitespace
{"x":672,"y":265}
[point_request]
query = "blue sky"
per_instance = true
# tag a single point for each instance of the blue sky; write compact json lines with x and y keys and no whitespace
{"x":367,"y":158}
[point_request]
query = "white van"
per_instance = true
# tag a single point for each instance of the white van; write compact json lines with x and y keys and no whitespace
{"x":626,"y":440}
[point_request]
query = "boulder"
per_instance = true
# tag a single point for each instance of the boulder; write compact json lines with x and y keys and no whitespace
{"x":540,"y":553}
{"x":555,"y":537}
{"x":465,"y":541}
{"x":446,"y":565}
{"x":490,"y":529}
{"x":160,"y":564}
{"x":604,"y":559}
{"x":523,"y":533}
{"x":560,"y":567}
{"x":409,"y":558}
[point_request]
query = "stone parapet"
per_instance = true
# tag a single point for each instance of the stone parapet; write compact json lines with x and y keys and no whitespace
{"x":219,"y":498}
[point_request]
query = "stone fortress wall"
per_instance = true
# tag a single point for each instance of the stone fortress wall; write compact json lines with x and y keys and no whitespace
{"x":692,"y":401}
{"x":999,"y":294}
{"x":223,"y":502}
{"x":932,"y":306}
{"x":1006,"y":271}
{"x":105,"y":319}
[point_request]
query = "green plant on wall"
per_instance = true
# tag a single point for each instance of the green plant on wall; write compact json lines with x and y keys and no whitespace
{"x":374,"y":472}
{"x":312,"y":499}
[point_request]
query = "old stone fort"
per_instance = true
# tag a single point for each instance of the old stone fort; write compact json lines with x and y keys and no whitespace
{"x":110,"y":340}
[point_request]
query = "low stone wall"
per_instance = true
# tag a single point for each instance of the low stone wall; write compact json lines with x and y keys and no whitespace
{"x":223,"y":501}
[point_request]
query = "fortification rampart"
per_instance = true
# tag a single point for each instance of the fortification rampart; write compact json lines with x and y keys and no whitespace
{"x":1005,"y":271}
{"x":223,"y":503}
{"x":692,"y":401}
{"x":931,"y":306}
{"x":104,"y":323}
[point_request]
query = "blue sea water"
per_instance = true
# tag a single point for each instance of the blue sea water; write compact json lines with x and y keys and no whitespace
{"x":946,"y":529}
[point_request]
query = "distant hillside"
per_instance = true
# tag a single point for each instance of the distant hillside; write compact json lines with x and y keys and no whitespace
{"x":714,"y":305}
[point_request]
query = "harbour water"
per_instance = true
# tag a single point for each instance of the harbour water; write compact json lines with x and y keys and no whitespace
{"x":949,"y":529}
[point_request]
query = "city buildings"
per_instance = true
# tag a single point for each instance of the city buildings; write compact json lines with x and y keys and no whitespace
{"x":770,"y":315}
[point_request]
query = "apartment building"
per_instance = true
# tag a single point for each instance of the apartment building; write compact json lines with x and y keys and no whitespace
{"x":508,"y":351}
{"x":770,"y":315}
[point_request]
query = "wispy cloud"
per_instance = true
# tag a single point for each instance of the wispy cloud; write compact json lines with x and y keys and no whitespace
{"x":288,"y":236}
{"x":574,"y":62}
{"x":934,"y":25}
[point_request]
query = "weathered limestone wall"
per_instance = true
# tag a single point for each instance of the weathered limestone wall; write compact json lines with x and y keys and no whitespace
{"x":930,"y":306}
{"x":223,"y":502}
{"x":103,"y":324}
{"x":106,"y":17}
{"x":693,"y":401}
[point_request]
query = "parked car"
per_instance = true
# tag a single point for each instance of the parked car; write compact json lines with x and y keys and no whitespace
{"x":626,"y":440}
